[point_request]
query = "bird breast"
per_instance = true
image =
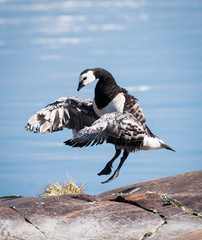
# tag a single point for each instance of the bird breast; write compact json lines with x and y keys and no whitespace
{"x":116,"y":105}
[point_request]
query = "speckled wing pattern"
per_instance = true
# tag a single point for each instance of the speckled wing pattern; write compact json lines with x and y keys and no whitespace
{"x":120,"y":129}
{"x":131,"y":105}
{"x":68,"y":112}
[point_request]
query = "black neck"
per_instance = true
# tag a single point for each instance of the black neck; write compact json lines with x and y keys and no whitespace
{"x":106,"y":88}
{"x":104,"y":76}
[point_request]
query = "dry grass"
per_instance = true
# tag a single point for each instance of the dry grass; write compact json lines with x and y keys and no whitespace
{"x":68,"y":188}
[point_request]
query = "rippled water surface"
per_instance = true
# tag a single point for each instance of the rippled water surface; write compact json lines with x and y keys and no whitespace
{"x":152,"y":48}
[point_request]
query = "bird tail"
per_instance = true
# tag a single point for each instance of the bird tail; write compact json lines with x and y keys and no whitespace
{"x":167,"y":147}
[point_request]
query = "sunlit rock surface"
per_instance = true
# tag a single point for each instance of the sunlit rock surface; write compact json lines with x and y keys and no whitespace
{"x":166,"y":208}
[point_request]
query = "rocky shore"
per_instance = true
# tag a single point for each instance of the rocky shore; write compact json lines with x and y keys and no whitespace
{"x":166,"y":208}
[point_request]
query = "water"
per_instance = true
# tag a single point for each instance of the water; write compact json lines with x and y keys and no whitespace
{"x":153,"y":48}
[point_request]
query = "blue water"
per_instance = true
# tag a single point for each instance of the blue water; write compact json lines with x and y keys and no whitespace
{"x":153,"y":48}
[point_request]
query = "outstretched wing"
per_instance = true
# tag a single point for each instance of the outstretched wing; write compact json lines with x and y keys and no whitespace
{"x":70,"y":112}
{"x":120,"y":129}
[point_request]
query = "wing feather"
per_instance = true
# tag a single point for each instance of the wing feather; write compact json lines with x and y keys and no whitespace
{"x":71,"y":112}
{"x":120,"y":129}
{"x":132,"y":106}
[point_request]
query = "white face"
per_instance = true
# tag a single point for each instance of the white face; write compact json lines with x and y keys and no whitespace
{"x":86,"y":78}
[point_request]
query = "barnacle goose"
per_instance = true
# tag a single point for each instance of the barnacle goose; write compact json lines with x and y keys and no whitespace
{"x":114,"y":116}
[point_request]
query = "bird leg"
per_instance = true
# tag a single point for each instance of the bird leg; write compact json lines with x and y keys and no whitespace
{"x":108,"y":168}
{"x":116,"y":173}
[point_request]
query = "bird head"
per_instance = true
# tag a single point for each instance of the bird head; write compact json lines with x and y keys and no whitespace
{"x":86,"y":77}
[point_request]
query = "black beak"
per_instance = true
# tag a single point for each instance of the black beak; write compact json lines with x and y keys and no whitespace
{"x":80,"y":86}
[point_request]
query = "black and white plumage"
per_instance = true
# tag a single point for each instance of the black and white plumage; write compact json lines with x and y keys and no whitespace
{"x":114,"y":117}
{"x":69,"y":112}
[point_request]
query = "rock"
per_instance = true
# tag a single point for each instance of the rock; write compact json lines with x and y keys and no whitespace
{"x":190,"y":236}
{"x":166,"y":208}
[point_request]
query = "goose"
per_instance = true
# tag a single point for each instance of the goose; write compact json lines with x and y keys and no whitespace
{"x":114,"y":116}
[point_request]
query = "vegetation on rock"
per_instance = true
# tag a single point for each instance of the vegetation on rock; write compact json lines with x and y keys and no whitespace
{"x":68,"y":188}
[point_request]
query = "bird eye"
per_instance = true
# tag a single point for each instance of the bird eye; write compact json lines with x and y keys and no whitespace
{"x":84,"y":78}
